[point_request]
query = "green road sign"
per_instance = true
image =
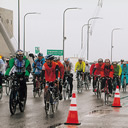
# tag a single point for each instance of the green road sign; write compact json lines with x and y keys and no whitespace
{"x":55,"y":52}
{"x":37,"y":50}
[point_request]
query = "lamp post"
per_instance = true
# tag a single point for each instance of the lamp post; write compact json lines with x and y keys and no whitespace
{"x":30,"y":13}
{"x":64,"y":38}
{"x":18,"y":24}
{"x":112,"y":40}
{"x":82,"y":34}
{"x":93,"y":18}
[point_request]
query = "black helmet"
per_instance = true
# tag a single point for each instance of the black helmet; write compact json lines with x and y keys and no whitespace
{"x":40,"y":54}
{"x":19,"y":53}
{"x":107,"y":61}
{"x":100,"y":60}
{"x":49,"y":57}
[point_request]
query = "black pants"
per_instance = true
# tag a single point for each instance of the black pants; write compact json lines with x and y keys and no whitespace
{"x":118,"y":81}
{"x":23,"y":89}
{"x":109,"y":84}
{"x":95,"y":79}
{"x":70,"y":80}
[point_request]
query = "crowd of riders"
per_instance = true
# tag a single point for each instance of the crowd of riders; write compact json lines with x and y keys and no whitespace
{"x":51,"y":70}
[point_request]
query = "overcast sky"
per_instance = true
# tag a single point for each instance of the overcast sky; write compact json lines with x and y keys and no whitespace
{"x":46,"y":30}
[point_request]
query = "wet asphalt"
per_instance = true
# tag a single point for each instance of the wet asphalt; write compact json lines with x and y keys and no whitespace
{"x":92,"y":112}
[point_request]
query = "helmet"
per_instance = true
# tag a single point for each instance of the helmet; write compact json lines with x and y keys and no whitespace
{"x":19,"y":53}
{"x":49,"y":57}
{"x":67,"y":59}
{"x":124,"y":62}
{"x":80,"y":59}
{"x":100,"y":60}
{"x":56,"y":58}
{"x":40,"y":54}
{"x":115,"y":62}
{"x":107,"y":61}
{"x":7,"y":60}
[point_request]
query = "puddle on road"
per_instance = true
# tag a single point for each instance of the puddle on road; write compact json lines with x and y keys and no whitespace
{"x":55,"y":125}
{"x":98,"y":113}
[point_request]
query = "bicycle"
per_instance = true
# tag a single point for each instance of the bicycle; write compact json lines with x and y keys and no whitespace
{"x":124,"y":83}
{"x":8,"y":84}
{"x":79,"y":82}
{"x":115,"y":84}
{"x":86,"y":81}
{"x":51,"y":99}
{"x":39,"y":87}
{"x":66,"y":89}
{"x":98,"y":86}
{"x":14,"y":99}
{"x":106,"y":91}
{"x":1,"y":89}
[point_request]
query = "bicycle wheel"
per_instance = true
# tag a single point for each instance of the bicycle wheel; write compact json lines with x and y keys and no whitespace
{"x":124,"y":86}
{"x":87,"y":86}
{"x":106,"y":97}
{"x":39,"y":92}
{"x":12,"y":103}
{"x":81,"y":86}
{"x":57,"y":104}
{"x":78,"y":85}
{"x":22,"y":104}
{"x":64,"y":93}
{"x":68,"y":91}
{"x":47,"y":108}
{"x":1,"y":93}
{"x":7,"y":88}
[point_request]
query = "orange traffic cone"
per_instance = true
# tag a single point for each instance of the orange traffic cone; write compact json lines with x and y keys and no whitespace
{"x":116,"y":102}
{"x":73,"y":115}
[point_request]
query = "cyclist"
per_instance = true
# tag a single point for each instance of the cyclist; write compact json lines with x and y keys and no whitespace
{"x":87,"y":70}
{"x":50,"y":72}
{"x":37,"y":68}
{"x":124,"y":68}
{"x":6,"y":64}
{"x":117,"y":72}
{"x":80,"y":67}
{"x":60,"y":74}
{"x":121,"y":62}
{"x":22,"y":68}
{"x":1,"y":72}
{"x":107,"y":70}
{"x":96,"y":71}
{"x":68,"y":71}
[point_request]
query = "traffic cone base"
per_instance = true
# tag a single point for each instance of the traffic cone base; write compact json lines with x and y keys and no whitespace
{"x":73,"y":115}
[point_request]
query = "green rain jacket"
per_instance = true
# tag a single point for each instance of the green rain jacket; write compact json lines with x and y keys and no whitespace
{"x":27,"y":66}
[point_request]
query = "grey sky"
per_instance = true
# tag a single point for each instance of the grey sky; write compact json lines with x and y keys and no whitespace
{"x":45,"y":30}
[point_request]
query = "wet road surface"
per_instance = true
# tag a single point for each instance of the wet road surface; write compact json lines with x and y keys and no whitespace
{"x":93,"y":113}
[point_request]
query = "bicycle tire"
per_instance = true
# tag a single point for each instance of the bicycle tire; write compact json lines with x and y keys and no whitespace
{"x":22,"y":105}
{"x":64,"y":94}
{"x":124,"y":86}
{"x":7,"y":88}
{"x":106,"y":97}
{"x":12,"y":104}
{"x":46,"y":109}
{"x":1,"y":93}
